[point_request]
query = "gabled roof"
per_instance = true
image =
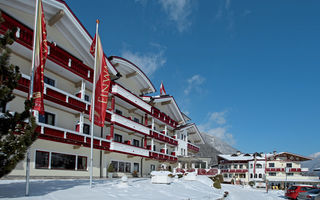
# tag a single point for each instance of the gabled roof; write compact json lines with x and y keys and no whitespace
{"x":132,"y":71}
{"x":173,"y":108}
{"x":291,"y":156}
{"x":68,"y":25}
{"x":193,"y":132}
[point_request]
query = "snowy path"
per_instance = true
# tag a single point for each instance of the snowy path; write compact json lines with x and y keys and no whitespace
{"x":140,"y":189}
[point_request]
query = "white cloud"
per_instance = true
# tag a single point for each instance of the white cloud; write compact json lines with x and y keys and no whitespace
{"x":194,"y":83}
{"x":178,"y":12}
{"x":147,"y":62}
{"x":225,"y":12}
{"x":315,"y":155}
{"x":219,"y":117}
{"x":216,"y":124}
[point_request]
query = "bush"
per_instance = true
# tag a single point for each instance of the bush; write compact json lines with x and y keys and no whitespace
{"x":220,"y":178}
{"x":135,"y":174}
{"x":251,"y":183}
{"x":110,"y":168}
{"x":217,"y":184}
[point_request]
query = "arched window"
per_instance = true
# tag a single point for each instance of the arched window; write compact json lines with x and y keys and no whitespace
{"x":251,"y":175}
{"x":259,"y":166}
{"x":255,"y":175}
{"x":260,"y":175}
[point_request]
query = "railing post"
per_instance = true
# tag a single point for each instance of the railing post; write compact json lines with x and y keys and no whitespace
{"x":113,"y":101}
{"x":83,"y":89}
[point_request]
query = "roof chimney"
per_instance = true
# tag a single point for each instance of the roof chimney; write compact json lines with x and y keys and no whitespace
{"x":274,"y":152}
{"x":238,"y":153}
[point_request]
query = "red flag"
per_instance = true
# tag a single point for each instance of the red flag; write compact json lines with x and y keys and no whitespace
{"x":41,"y":53}
{"x":162,"y":90}
{"x":102,"y":85}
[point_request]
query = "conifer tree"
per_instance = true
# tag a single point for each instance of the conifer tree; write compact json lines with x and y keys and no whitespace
{"x":17,"y":130}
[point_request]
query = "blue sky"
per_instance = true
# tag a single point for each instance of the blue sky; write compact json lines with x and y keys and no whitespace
{"x":245,"y":71}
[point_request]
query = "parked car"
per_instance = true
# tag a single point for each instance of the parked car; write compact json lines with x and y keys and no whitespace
{"x":310,"y":195}
{"x":293,"y":191}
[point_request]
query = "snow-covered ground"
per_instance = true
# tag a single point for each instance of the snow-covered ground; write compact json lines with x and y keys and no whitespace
{"x":138,"y":188}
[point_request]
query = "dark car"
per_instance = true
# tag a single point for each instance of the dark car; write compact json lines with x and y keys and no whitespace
{"x":293,"y":191}
{"x":310,"y":195}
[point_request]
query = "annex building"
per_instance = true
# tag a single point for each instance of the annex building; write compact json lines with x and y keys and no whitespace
{"x":142,"y":132}
{"x":277,"y":168}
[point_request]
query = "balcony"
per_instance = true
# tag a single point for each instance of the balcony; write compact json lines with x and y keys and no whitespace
{"x":129,"y":124}
{"x":275,"y":169}
{"x":58,"y":134}
{"x":162,"y":156}
{"x":129,"y":97}
{"x":129,"y":149}
{"x":162,"y":137}
{"x":163,"y":117}
{"x":56,"y":95}
{"x":193,"y":147}
{"x":24,"y":36}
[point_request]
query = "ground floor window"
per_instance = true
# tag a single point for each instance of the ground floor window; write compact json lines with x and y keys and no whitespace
{"x":225,"y":175}
{"x":242,"y":175}
{"x":136,"y":167}
{"x":119,"y":166}
{"x":230,"y":175}
{"x":272,"y":174}
{"x":42,"y":159}
{"x":152,"y":168}
{"x":54,"y":160}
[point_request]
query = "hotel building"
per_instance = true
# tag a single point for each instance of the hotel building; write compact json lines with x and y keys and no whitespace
{"x":142,"y":133}
{"x":276,"y":168}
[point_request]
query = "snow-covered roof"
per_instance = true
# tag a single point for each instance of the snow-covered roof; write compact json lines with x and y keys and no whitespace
{"x":244,"y":156}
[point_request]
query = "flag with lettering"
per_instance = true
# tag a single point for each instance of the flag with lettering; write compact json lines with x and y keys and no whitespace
{"x":102,"y":83}
{"x":41,"y":53}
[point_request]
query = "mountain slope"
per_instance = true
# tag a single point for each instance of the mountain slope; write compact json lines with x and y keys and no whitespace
{"x":312,"y":164}
{"x":218,"y":144}
{"x":213,"y":147}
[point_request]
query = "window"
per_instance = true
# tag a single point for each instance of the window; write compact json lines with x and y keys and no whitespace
{"x":271,"y":164}
{"x":289,"y":165}
{"x":86,"y":129}
{"x":82,"y":163}
{"x":235,"y":166}
{"x":230,"y":175}
{"x":42,"y":160}
{"x":59,"y":161}
{"x":152,"y":168}
{"x":47,"y":118}
{"x":240,"y":166}
{"x":136,"y":143}
{"x":251,"y":175}
{"x":119,"y":166}
{"x":128,"y":167}
{"x":136,"y":120}
{"x":225,"y":175}
{"x":49,"y":81}
{"x":259,"y":166}
{"x":86,"y":98}
{"x":251,"y":165}
{"x":260,"y":175}
{"x":114,"y":165}
{"x":154,"y":147}
{"x":119,"y":112}
{"x":289,"y":174}
{"x":118,"y":138}
{"x":242,"y":175}
{"x":63,"y":161}
{"x":255,"y":175}
{"x":272,"y":174}
{"x":136,"y":167}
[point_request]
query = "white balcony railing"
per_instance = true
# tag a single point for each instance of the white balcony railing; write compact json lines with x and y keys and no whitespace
{"x":129,"y":149}
{"x":126,"y":94}
{"x":129,"y":123}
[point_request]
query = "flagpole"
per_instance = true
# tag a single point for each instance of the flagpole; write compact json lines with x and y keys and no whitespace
{"x":31,"y":91}
{"x":92,"y":103}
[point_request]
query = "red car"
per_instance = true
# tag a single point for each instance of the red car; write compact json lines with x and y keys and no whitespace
{"x":293,"y":191}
